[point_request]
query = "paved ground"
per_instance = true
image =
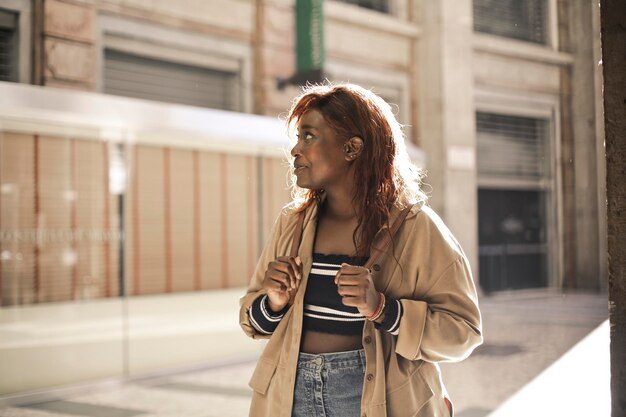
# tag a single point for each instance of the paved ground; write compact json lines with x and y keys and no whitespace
{"x":525,"y":332}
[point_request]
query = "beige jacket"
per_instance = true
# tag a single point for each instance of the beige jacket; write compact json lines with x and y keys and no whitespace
{"x":441,"y":320}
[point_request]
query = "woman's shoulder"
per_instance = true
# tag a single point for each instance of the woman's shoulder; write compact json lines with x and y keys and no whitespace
{"x":430,"y":229}
{"x":289,"y":214}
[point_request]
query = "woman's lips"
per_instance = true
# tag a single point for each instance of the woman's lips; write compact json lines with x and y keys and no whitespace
{"x":299,"y":169}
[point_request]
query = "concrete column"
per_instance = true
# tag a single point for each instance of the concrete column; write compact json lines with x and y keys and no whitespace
{"x":447,"y":117}
{"x":568,"y":238}
{"x":600,"y":150}
{"x":613,"y":16}
{"x":587,"y":185}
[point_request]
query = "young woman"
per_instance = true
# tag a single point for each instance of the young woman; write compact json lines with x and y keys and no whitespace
{"x":345,"y":338}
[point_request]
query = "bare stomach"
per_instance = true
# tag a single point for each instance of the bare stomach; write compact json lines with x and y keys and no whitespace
{"x":317,"y":342}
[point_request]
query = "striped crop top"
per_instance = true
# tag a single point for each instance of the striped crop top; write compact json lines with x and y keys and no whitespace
{"x":323,"y":309}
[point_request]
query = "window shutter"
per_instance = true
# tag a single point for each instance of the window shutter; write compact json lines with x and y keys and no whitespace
{"x":152,"y":79}
{"x":525,"y":20}
{"x":511,"y":146}
{"x":8,"y":46}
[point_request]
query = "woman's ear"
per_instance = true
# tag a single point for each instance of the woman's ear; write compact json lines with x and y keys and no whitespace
{"x":353,"y":148}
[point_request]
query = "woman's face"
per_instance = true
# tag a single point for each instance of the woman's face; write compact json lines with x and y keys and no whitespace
{"x":319,"y":158}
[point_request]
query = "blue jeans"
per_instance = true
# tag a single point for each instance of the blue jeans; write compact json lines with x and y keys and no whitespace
{"x":329,"y":384}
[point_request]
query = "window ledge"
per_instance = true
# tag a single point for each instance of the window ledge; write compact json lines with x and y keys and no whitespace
{"x":519,"y":49}
{"x":359,"y":16}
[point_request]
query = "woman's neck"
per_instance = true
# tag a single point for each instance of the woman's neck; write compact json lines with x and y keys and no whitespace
{"x":339,"y":206}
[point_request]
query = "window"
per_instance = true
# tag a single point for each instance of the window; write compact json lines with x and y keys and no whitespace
{"x":511,"y":146}
{"x":525,"y":20}
{"x":131,"y":75}
{"x":8,"y":46}
{"x":378,"y":5}
{"x":513,"y":209}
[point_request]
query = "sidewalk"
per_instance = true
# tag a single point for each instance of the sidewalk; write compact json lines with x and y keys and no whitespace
{"x":577,"y":384}
{"x":525,"y":333}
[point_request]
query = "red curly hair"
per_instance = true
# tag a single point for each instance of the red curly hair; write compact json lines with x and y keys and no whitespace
{"x":384,"y":171}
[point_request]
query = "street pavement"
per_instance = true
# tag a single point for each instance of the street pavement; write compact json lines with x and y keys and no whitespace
{"x":532,"y":338}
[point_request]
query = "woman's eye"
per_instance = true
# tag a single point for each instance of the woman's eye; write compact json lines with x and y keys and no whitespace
{"x":305,"y":136}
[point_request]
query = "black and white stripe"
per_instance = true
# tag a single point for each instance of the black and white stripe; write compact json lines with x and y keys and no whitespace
{"x":323,"y":308}
{"x":327,"y":313}
{"x":393,"y":315}
{"x":262,"y":317}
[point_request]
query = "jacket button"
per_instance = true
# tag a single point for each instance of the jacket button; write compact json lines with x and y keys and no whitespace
{"x":376,"y":267}
{"x":370,"y":377}
{"x":367,"y":340}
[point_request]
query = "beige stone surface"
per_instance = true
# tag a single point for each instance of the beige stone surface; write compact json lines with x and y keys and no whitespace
{"x":446,"y":95}
{"x":70,"y":20}
{"x":499,"y":71}
{"x":279,"y":101}
{"x":279,"y":27}
{"x":69,"y":61}
{"x":228,"y":14}
{"x":366,"y":44}
{"x":279,"y":63}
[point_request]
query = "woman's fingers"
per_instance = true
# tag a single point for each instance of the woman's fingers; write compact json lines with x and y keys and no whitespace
{"x":284,"y":269}
{"x":351,"y":271}
{"x":278,"y":286}
{"x":351,"y":301}
{"x":352,"y":291}
{"x":286,"y":272}
{"x":273,"y":274}
{"x":279,"y":277}
{"x":288,"y":265}
{"x":355,"y":286}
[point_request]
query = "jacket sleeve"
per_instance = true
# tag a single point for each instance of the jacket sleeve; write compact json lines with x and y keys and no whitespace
{"x":255,"y":290}
{"x":445,"y":326}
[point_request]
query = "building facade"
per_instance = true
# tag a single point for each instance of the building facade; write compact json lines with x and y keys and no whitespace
{"x":503,"y":97}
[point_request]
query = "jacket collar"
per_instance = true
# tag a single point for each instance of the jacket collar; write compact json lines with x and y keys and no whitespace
{"x":310,"y":218}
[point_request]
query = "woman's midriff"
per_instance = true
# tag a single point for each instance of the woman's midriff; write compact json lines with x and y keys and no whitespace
{"x":317,"y":342}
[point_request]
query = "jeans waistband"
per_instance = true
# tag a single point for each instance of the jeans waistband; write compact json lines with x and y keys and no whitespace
{"x":332,"y":360}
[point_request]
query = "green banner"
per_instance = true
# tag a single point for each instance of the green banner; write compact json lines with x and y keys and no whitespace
{"x":309,"y":36}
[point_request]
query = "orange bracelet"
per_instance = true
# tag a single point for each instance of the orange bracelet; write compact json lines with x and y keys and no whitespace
{"x":379,"y":309}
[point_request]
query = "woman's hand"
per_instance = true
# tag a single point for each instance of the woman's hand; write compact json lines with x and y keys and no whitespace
{"x":282,"y":279}
{"x":355,"y":285}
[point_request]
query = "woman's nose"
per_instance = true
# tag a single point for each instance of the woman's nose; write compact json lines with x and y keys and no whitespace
{"x":295,"y":151}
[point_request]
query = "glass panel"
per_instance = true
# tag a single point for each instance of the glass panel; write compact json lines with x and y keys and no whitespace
{"x":59,"y":245}
{"x":131,"y":252}
{"x":513,"y":249}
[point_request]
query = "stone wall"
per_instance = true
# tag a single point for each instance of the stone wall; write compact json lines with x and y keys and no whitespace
{"x":69,"y":44}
